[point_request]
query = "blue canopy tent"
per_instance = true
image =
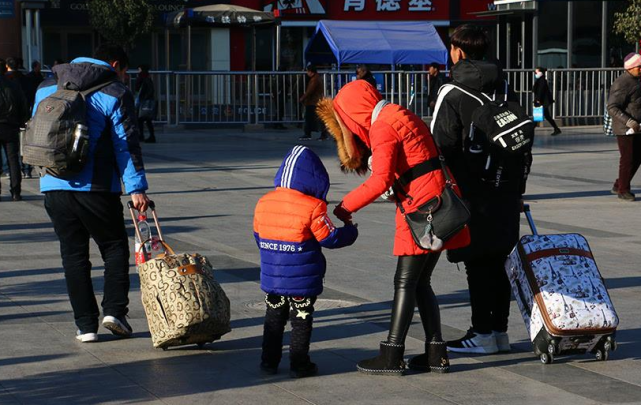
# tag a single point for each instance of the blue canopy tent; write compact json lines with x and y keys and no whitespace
{"x":386,"y":43}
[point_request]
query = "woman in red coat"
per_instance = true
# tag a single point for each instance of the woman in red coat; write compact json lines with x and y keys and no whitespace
{"x":363,"y":124}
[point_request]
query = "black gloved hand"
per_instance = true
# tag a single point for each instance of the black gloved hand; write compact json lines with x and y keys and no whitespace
{"x":343,"y":214}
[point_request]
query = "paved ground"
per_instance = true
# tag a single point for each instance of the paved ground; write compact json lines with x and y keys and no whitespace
{"x":205,"y":184}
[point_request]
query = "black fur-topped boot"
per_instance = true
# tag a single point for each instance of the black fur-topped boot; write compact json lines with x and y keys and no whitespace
{"x":388,"y":362}
{"x":434,"y":359}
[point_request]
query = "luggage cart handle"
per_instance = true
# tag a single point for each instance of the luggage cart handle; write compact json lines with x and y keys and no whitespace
{"x":528,"y":215}
{"x":152,"y":206}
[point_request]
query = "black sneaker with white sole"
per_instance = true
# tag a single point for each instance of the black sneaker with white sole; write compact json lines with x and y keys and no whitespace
{"x":117,"y":326}
{"x":474,"y":342}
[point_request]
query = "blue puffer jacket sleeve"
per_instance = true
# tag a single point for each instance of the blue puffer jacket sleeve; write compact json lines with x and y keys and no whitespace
{"x":340,"y":237}
{"x":124,"y":134}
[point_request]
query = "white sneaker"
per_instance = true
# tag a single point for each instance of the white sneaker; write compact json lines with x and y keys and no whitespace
{"x":474,"y":342}
{"x":86,"y":337}
{"x":502,"y":342}
{"x":118,"y":327}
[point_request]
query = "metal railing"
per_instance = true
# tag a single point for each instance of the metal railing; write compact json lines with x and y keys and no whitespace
{"x":273,"y":97}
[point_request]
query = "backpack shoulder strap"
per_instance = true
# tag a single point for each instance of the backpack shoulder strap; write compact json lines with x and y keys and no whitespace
{"x":478,"y":96}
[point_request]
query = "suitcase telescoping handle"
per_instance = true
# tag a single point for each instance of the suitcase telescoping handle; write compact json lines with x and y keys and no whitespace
{"x":152,"y":207}
{"x":528,"y":215}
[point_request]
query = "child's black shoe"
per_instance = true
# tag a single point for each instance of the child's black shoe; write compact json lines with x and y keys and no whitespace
{"x":268,"y":369}
{"x":303,"y":370}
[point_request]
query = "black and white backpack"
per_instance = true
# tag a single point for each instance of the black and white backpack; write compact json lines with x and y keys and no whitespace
{"x":501,"y":136}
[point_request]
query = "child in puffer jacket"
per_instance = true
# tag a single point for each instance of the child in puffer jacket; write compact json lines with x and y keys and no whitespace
{"x":290,"y":226}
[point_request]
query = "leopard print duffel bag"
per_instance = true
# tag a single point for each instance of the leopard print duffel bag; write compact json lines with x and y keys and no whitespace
{"x":182,"y":301}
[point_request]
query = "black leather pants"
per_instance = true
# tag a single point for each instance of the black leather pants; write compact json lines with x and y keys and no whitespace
{"x":412,"y":288}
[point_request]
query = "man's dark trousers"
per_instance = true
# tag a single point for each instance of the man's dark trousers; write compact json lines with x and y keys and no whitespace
{"x":10,"y":141}
{"x":630,"y":149}
{"x":76,"y":217}
{"x":495,"y":231}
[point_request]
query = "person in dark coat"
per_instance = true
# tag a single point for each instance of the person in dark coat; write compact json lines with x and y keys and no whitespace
{"x":495,"y":210}
{"x":35,"y":77}
{"x":363,"y":73}
{"x":14,"y":112}
{"x":436,"y":80}
{"x":543,"y":97}
{"x":146,"y":95}
{"x":624,"y":106}
{"x":311,"y":97}
{"x":15,"y":72}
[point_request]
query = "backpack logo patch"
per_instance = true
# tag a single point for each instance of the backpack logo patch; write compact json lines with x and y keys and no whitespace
{"x":49,"y":108}
{"x":505,"y":118}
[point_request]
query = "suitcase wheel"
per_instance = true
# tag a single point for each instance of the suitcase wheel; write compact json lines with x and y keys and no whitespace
{"x":602,"y":354}
{"x":610,"y":344}
{"x":553,"y":349}
{"x":201,"y":345}
{"x":164,"y":348}
{"x":546,"y":358}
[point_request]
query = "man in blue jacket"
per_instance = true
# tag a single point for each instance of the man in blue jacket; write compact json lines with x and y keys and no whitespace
{"x":88,"y":204}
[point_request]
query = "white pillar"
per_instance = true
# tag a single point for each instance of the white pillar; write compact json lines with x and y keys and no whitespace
{"x":570,"y":37}
{"x":38,"y":33}
{"x":604,"y":34}
{"x":29,"y":39}
{"x":220,"y":49}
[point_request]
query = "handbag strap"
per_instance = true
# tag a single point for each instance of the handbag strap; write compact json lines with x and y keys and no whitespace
{"x":419,"y":170}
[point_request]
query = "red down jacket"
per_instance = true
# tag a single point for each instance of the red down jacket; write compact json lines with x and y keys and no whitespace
{"x":399,"y":140}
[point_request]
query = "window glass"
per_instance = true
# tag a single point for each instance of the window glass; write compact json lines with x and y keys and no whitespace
{"x":586,"y":43}
{"x":553,"y":34}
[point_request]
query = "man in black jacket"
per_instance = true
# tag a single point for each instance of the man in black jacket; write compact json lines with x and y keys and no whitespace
{"x":495,"y":208}
{"x":14,"y":112}
{"x":624,"y":106}
{"x":543,"y":97}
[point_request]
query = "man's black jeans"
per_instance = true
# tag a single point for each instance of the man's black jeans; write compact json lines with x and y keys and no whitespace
{"x":76,"y":216}
{"x":10,"y":142}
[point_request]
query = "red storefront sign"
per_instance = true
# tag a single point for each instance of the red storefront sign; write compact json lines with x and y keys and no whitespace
{"x":389,"y":10}
{"x":297,"y":7}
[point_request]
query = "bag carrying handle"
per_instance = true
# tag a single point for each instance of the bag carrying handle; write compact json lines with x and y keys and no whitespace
{"x":152,"y":207}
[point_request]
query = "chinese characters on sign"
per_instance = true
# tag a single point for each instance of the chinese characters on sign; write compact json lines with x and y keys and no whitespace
{"x":389,"y":5}
{"x":6,"y":9}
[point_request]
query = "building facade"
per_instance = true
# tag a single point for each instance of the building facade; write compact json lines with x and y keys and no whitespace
{"x":558,"y":33}
{"x":65,"y":32}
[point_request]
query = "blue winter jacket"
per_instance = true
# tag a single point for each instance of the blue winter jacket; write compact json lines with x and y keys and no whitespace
{"x":291,"y":224}
{"x":114,"y":149}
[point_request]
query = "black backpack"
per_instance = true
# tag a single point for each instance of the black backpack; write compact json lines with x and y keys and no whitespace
{"x":56,"y":138}
{"x":500,"y":141}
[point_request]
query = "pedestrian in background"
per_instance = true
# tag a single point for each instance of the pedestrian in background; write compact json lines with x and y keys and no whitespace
{"x":312,"y":96}
{"x":624,"y":106}
{"x":146,"y":101}
{"x":87,"y":205}
{"x":436,"y":80}
{"x":16,"y":72}
{"x":543,"y":97}
{"x":363,"y":73}
{"x":14,"y":112}
{"x":35,"y":77}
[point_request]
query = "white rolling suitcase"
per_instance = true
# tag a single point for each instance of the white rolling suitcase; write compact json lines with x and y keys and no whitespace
{"x":561,"y":295}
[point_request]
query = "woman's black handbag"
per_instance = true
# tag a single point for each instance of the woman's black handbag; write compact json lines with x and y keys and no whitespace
{"x":439,"y":219}
{"x":147,"y":110}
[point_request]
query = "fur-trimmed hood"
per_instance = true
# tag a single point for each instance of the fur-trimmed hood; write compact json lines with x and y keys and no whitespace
{"x":349,"y":114}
